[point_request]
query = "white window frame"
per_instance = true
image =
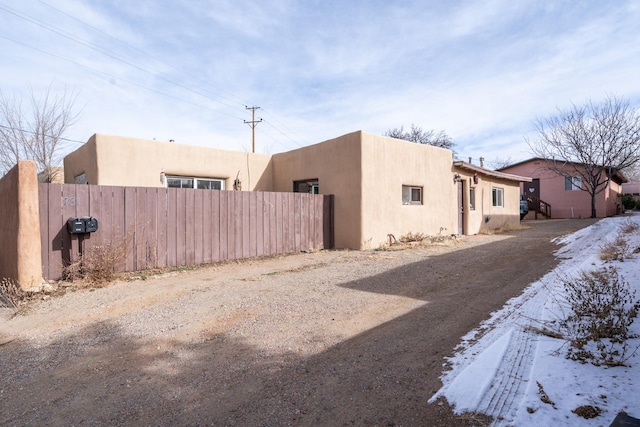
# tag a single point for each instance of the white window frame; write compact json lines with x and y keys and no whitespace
{"x":412,"y":195}
{"x":194,"y":182}
{"x":472,"y":198}
{"x":497,"y":197}
{"x":572,"y":183}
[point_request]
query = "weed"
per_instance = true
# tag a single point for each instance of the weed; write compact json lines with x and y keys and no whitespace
{"x":97,"y":266}
{"x":629,"y":226}
{"x":587,"y":411}
{"x":11,"y":294}
{"x":603,"y":307}
{"x":616,"y":250}
{"x":544,"y":397}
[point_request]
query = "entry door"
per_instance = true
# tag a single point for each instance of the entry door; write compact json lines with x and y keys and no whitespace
{"x":461,"y":208}
{"x":532,"y":189}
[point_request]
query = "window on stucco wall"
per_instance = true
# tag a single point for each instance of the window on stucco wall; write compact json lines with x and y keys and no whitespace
{"x":497,"y":194}
{"x":572,"y":183}
{"x":199,"y":183}
{"x":411,"y":195}
{"x":472,"y":198}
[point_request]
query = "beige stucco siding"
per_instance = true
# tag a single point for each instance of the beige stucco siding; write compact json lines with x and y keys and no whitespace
{"x":387,"y":165}
{"x":336,"y":164}
{"x":116,"y":160}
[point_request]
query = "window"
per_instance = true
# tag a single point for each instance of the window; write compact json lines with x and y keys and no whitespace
{"x":411,"y":195}
{"x":80,"y":179}
{"x":497,"y":194}
{"x":200,"y":183}
{"x":310,"y":186}
{"x":572,"y":183}
{"x":472,"y":198}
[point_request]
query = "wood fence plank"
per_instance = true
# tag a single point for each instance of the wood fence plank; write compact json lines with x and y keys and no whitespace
{"x":296,"y":219}
{"x":206,"y":226}
{"x":260,"y":223}
{"x":198,"y":226}
{"x":130,"y":227}
{"x":172,"y":227}
{"x":245,"y":225}
{"x":215,"y":226}
{"x":279,"y":222}
{"x":181,"y":228}
{"x":253,"y":223}
{"x":317,"y":222}
{"x":272,"y":224}
{"x":224,"y":225}
{"x":118,"y":238}
{"x":190,"y":228}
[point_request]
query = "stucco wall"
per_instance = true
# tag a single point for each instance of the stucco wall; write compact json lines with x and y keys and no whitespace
{"x":20,"y":232}
{"x":566,"y":203}
{"x":336,"y":164}
{"x":122,"y":161}
{"x":387,"y":165}
{"x":484,"y":217}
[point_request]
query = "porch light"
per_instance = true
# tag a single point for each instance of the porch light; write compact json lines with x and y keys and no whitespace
{"x":457,"y":178}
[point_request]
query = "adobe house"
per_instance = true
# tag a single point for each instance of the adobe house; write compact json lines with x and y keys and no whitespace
{"x":632,"y":188}
{"x":563,"y":194}
{"x":381,"y":185}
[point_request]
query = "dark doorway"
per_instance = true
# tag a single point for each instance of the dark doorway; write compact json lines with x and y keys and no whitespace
{"x":461,"y":207}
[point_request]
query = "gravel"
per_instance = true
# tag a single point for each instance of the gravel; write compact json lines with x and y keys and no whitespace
{"x":324,"y":338}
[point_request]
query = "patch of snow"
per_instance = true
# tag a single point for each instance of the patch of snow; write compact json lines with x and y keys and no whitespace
{"x":497,"y":367}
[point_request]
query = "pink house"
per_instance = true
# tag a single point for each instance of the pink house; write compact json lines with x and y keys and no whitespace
{"x":555,"y":196}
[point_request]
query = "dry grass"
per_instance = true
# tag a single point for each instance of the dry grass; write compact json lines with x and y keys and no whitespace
{"x":11,"y":294}
{"x":616,"y":250}
{"x":412,"y":240}
{"x":629,"y":226}
{"x":504,"y":229}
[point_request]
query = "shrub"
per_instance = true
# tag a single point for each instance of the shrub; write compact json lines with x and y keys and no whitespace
{"x":638,"y":205}
{"x":603,"y":307}
{"x":628,"y":202}
{"x":97,"y":265}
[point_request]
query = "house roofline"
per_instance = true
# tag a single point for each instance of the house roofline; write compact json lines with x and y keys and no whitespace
{"x":616,"y":173}
{"x":489,"y":172}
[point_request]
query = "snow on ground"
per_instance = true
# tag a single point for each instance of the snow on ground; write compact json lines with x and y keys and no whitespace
{"x":497,"y":367}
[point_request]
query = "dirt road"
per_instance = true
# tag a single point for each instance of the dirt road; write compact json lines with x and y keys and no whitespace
{"x":328,"y":338}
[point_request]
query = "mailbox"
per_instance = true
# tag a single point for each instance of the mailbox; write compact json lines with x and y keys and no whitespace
{"x":75,"y":225}
{"x":90,"y":224}
{"x":86,"y":224}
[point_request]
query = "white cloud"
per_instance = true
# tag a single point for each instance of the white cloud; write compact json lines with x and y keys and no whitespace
{"x":480,"y":71}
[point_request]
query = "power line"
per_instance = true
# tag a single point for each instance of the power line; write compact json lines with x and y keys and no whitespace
{"x":34,"y":133}
{"x":119,"y":57}
{"x":168,"y":64}
{"x":107,"y":52}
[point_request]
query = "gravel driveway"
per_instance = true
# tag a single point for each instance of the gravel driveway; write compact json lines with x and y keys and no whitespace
{"x":328,"y":338}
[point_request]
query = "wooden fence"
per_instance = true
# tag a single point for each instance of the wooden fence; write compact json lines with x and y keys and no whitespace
{"x":169,"y":227}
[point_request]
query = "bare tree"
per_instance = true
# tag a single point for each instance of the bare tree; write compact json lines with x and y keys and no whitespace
{"x":501,"y":162}
{"x":593,"y":142}
{"x":37,"y":134}
{"x":416,"y":134}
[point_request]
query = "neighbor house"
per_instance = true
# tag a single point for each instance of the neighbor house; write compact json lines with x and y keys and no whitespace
{"x":565,"y":196}
{"x":382,"y":186}
{"x":632,"y":189}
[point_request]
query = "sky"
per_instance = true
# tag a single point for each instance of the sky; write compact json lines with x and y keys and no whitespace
{"x":483,"y":72}
{"x":497,"y":367}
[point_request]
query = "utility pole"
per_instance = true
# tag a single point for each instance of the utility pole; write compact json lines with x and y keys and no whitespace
{"x":253,"y":123}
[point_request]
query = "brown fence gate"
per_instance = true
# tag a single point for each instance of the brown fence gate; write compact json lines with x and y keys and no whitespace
{"x":171,"y":227}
